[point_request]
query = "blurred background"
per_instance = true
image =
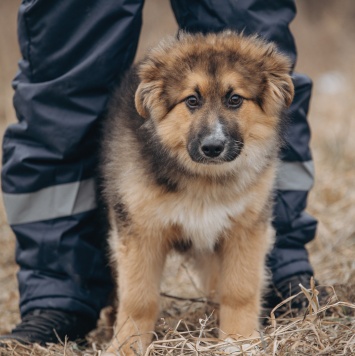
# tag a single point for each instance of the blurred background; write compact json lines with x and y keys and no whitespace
{"x":325,"y":35}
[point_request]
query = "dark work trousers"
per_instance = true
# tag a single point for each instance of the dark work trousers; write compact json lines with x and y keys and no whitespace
{"x":72,"y":53}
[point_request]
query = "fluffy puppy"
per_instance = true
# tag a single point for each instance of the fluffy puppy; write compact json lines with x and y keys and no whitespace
{"x":189,"y":160}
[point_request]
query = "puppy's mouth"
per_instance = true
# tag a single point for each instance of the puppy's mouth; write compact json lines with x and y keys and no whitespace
{"x":212,"y":151}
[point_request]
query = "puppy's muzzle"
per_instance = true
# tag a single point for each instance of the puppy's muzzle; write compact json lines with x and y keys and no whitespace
{"x":216,"y":145}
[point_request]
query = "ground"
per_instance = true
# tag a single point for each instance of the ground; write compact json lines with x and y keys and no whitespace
{"x":325,"y":35}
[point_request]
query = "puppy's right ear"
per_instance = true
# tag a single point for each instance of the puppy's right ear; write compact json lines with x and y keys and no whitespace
{"x":148,"y":98}
{"x":151,"y":73}
{"x":139,"y":101}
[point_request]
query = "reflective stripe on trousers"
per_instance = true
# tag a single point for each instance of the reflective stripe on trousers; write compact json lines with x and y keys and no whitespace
{"x":73,"y":198}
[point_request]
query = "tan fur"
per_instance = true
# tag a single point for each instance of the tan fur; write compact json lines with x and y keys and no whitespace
{"x":158,"y":193}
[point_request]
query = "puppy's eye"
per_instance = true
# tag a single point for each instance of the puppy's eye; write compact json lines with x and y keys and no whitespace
{"x":192,"y":102}
{"x":235,"y":101}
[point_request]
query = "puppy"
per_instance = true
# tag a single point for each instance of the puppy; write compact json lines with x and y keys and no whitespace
{"x":189,"y":159}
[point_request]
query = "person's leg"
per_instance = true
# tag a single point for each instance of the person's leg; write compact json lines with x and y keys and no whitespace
{"x":73,"y":52}
{"x":270,"y":20}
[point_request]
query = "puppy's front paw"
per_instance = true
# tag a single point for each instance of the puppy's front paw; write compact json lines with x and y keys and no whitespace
{"x":129,"y":348}
{"x":236,"y":348}
{"x":113,"y":350}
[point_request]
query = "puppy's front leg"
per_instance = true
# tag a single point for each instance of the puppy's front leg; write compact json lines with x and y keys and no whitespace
{"x":242,"y":255}
{"x":140,"y":264}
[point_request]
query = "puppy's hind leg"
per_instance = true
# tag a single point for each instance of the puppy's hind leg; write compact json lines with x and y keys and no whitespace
{"x":140,"y":261}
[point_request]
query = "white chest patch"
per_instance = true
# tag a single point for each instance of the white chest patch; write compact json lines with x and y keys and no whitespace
{"x":202,"y":219}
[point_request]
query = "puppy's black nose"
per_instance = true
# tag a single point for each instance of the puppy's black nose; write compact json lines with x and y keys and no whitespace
{"x":212,"y":147}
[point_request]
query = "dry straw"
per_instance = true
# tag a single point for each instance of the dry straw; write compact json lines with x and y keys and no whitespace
{"x":327,"y":329}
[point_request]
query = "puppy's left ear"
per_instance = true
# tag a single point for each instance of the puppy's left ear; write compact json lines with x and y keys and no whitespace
{"x":280,"y":86}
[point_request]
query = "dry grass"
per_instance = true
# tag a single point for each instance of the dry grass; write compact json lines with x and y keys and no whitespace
{"x":322,"y":330}
{"x":326,"y":329}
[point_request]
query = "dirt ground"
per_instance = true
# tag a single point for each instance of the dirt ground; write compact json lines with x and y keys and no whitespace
{"x":325,"y":34}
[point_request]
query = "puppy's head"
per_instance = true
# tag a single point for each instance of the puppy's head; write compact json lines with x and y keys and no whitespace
{"x":214,"y":97}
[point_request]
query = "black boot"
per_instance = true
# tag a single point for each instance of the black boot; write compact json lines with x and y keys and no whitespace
{"x":38,"y":326}
{"x":276,"y":293}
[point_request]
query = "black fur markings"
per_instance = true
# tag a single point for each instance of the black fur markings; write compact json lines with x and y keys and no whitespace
{"x":167,"y":183}
{"x":164,"y":169}
{"x":122,"y":216}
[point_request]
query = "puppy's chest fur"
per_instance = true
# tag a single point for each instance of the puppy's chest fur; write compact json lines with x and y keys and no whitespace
{"x":202,"y":215}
